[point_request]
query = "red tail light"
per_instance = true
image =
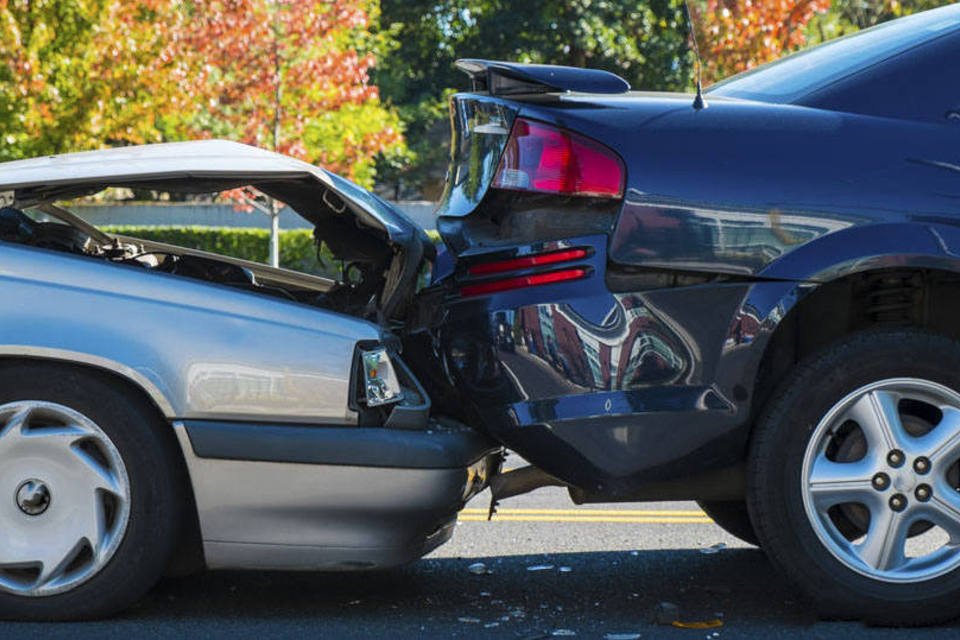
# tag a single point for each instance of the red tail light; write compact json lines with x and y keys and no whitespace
{"x":541,"y":157}
{"x":527,"y":262}
{"x":483,"y":288}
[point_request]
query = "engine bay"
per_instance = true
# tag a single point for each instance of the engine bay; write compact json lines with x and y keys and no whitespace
{"x":355,"y":296}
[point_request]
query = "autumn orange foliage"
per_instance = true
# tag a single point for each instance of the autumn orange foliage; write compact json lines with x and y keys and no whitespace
{"x":265,"y":68}
{"x":286,"y":74}
{"x":736,"y":35}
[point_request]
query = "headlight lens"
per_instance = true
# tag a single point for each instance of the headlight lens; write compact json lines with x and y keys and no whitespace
{"x":380,"y":382}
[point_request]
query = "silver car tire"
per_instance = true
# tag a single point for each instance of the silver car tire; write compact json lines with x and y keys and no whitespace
{"x":90,"y":493}
{"x":854,"y":478}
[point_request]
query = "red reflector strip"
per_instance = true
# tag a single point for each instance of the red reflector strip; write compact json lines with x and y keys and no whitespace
{"x":522,"y":282}
{"x":527,"y":262}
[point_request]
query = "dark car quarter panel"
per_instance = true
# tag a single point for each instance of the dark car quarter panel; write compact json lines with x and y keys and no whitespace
{"x":645,"y":372}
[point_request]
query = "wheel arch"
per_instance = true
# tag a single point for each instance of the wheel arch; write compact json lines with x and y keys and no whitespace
{"x":189,"y":555}
{"x":132,"y":378}
{"x":921,"y":292}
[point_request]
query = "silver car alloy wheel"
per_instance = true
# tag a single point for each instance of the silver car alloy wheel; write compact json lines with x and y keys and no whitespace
{"x":880,"y":480}
{"x":64,"y":498}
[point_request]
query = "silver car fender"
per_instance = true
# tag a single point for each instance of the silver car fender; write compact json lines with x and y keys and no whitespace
{"x":200,"y":350}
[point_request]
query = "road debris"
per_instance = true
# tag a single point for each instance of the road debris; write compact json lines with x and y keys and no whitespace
{"x":698,"y":624}
{"x":566,"y":569}
{"x":720,"y":546}
{"x":540,"y":567}
{"x":479,"y":569}
{"x":622,"y":636}
{"x":563,"y":633}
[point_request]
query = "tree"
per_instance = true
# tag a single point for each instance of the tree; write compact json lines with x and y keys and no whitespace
{"x":286,"y":74}
{"x":71,"y":74}
{"x":292,"y":75}
{"x":736,"y":35}
{"x":849,"y":16}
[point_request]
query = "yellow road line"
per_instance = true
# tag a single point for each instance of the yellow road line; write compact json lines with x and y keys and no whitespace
{"x":687,"y":513}
{"x":608,"y":519}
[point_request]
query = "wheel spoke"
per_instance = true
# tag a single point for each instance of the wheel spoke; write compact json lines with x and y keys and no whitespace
{"x":944,"y":510}
{"x":14,"y":427}
{"x":942,"y":443}
{"x":886,"y":539}
{"x":95,"y":473}
{"x":833,"y":483}
{"x":876,"y":413}
{"x":68,"y":433}
{"x":55,"y":559}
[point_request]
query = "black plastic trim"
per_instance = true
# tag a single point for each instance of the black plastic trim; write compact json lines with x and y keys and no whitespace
{"x":443,"y":446}
{"x":513,"y":78}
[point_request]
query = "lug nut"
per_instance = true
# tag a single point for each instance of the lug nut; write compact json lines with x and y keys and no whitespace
{"x":921,"y":465}
{"x":881,"y":481}
{"x":923,"y":492}
{"x":895,"y":458}
{"x":898,"y":502}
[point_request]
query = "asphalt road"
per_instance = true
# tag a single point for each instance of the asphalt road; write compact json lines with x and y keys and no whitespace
{"x":553,"y":570}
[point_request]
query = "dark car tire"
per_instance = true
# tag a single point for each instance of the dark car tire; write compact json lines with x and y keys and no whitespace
{"x":860,"y":371}
{"x":731,"y":516}
{"x":156,"y":488}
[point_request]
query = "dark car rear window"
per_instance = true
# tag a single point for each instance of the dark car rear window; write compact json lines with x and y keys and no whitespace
{"x":809,"y":70}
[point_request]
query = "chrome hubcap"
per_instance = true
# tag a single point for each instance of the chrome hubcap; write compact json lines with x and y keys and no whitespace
{"x":68,"y":498}
{"x":881,"y":480}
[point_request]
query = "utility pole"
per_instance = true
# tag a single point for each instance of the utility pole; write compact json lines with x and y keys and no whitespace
{"x":277,"y":95}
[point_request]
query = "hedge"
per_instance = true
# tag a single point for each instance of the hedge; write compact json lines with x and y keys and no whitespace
{"x":297,"y":250}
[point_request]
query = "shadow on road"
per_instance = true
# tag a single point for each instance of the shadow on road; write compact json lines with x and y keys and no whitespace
{"x":600,"y":594}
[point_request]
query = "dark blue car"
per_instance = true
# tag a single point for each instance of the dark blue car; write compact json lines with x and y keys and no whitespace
{"x":754,"y":304}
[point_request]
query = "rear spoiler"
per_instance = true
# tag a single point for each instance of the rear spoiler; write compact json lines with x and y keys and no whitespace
{"x":513,"y":78}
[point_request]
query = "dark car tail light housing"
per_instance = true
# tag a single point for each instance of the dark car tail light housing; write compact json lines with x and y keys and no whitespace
{"x":542,"y":158}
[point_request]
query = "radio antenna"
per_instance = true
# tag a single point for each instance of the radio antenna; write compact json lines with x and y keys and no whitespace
{"x":698,"y":101}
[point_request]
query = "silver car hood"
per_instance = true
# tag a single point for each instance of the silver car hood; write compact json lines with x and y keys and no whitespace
{"x":195,"y":163}
{"x":349,"y":218}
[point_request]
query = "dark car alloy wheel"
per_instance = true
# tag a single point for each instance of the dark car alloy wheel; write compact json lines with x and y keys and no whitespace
{"x":854,"y":478}
{"x":900,"y":470}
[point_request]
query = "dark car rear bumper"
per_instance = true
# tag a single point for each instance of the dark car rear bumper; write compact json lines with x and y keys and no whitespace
{"x":611,"y":389}
{"x":318,"y":497}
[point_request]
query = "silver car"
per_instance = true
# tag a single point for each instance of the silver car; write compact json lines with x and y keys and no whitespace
{"x":164,"y":409}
